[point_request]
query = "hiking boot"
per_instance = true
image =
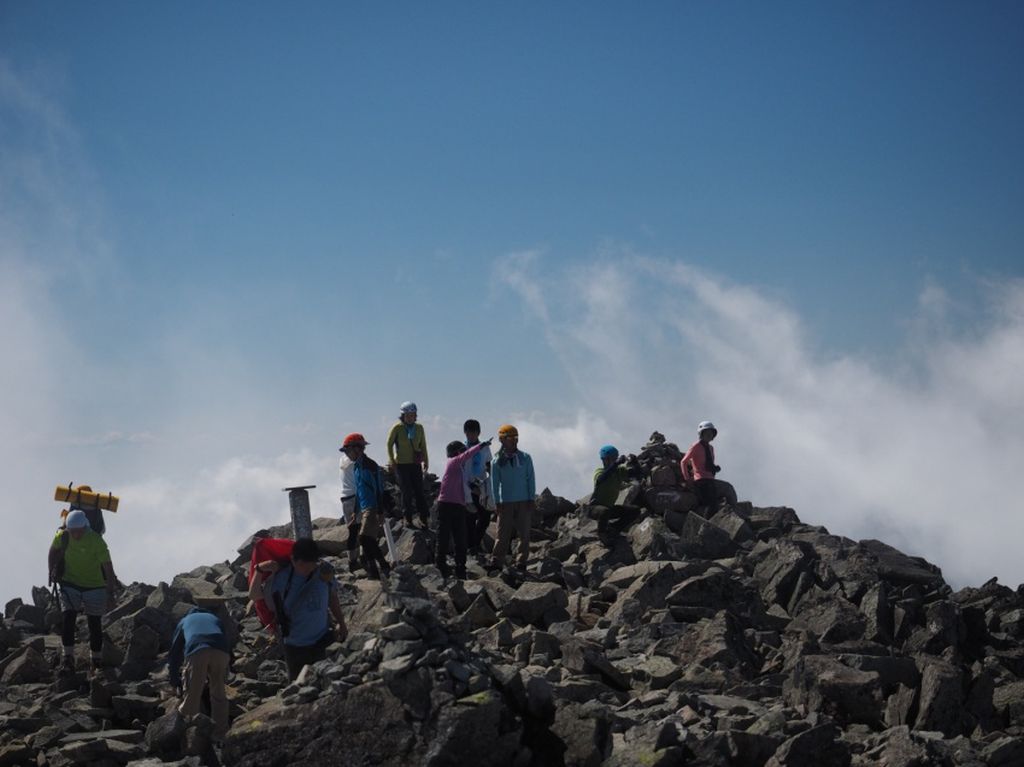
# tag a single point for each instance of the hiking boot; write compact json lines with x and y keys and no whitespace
{"x":353,"y":563}
{"x":385,"y":569}
{"x":372,"y":572}
{"x":67,"y":665}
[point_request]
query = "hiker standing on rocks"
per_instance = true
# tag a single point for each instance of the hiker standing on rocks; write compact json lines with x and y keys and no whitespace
{"x":513,"y":486}
{"x":302,"y":595}
{"x":79,"y":562}
{"x":615,"y":473}
{"x":478,"y":488}
{"x":451,"y":506}
{"x":350,"y":514}
{"x":699,"y":469}
{"x":201,"y":642}
{"x":369,"y":504}
{"x":407,"y":457}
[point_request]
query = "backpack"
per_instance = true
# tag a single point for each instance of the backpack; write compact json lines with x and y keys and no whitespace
{"x":278,"y":549}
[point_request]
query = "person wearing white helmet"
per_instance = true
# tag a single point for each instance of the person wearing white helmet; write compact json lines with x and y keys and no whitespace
{"x":79,"y":562}
{"x":699,"y":469}
{"x":407,"y":457}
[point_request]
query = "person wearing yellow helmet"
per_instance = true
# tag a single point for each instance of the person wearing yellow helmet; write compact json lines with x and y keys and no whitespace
{"x":513,"y":487}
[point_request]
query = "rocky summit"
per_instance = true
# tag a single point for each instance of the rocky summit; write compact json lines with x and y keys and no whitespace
{"x":745,"y":638}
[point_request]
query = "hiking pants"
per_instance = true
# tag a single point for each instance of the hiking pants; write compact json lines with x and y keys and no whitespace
{"x":207,"y":665}
{"x":707,"y":497}
{"x":296,"y":657}
{"x":67,"y":634}
{"x":410,"y":481}
{"x":476,"y":524}
{"x":451,"y":523}
{"x":513,"y":516}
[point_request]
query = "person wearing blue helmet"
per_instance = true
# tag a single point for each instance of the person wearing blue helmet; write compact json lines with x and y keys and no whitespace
{"x":615,"y":473}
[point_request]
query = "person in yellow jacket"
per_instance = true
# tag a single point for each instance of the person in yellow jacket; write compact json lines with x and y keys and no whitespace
{"x":407,"y":458}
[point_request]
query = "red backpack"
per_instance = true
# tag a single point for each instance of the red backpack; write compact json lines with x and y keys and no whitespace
{"x":279,"y":549}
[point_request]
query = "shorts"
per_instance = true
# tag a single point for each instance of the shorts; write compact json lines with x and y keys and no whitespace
{"x":79,"y":600}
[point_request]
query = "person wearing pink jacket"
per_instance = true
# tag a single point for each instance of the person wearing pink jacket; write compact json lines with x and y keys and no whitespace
{"x":699,"y":469}
{"x":451,"y":507}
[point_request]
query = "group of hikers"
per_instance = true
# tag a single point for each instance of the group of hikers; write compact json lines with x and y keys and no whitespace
{"x":301,"y":594}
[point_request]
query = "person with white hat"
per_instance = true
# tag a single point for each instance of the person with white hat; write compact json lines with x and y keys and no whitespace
{"x":699,"y":469}
{"x":407,"y":457}
{"x":79,"y":562}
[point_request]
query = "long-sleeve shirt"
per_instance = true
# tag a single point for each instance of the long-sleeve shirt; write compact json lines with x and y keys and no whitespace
{"x":348,"y":477}
{"x":368,"y":483}
{"x":512,"y":478}
{"x":402,"y":449}
{"x":197,"y":630}
{"x":453,"y":484}
{"x":475,"y":473}
{"x":695,"y":463}
{"x":606,"y":493}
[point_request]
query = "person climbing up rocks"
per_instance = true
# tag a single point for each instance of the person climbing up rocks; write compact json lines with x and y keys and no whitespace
{"x":369,"y":503}
{"x":79,"y":563}
{"x":407,"y":457}
{"x":699,"y":469}
{"x":513,"y":486}
{"x":451,"y":507}
{"x":201,"y":642}
{"x":615,"y":473}
{"x":303,"y":595}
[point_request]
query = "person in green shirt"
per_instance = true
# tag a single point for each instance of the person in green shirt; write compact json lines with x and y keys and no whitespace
{"x":79,"y":562}
{"x":610,"y":479}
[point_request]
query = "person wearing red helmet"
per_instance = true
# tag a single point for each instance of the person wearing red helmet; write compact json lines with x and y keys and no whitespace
{"x":369,"y":486}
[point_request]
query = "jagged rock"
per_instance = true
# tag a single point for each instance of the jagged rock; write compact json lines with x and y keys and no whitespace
{"x":415,"y":547}
{"x":27,"y":668}
{"x":585,"y":734}
{"x":940,"y":698}
{"x":532,"y":601}
{"x":780,"y":569}
{"x":165,"y":734}
{"x":815,"y":747}
{"x":702,"y":539}
{"x":821,"y":684}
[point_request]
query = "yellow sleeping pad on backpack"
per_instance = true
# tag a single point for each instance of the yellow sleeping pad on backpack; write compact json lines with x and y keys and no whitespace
{"x":85,"y":498}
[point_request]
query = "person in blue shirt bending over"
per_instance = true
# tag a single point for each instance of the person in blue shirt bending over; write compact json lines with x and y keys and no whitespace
{"x":202,"y":643}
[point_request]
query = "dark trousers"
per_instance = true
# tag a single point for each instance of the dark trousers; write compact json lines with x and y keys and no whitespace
{"x":297,"y":657}
{"x":707,"y":497}
{"x":410,"y":481}
{"x":67,"y":633}
{"x":476,"y":525}
{"x":451,"y":523}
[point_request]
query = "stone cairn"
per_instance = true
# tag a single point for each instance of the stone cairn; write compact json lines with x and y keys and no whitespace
{"x":747,"y":638}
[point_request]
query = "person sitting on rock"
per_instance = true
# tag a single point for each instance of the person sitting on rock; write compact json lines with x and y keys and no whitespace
{"x":202,"y":643}
{"x":513,"y":487}
{"x":303,"y":595}
{"x":79,"y":562}
{"x":478,"y":489}
{"x":451,"y":507}
{"x":407,"y":457}
{"x":615,"y":473}
{"x":369,"y":504}
{"x":699,"y":469}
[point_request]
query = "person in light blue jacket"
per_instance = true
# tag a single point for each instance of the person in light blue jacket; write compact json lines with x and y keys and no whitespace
{"x":513,"y":487}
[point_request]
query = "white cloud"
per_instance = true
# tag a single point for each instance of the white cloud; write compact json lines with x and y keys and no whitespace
{"x":926,"y":456}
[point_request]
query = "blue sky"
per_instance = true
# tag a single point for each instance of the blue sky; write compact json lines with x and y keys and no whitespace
{"x":232,"y":233}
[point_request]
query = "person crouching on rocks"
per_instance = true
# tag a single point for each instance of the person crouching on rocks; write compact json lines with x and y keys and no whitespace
{"x":79,"y":562}
{"x":615,"y":473}
{"x":513,"y":487}
{"x":369,"y":504}
{"x":302,"y":595}
{"x":201,"y":642}
{"x":451,"y":507}
{"x":699,"y":469}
